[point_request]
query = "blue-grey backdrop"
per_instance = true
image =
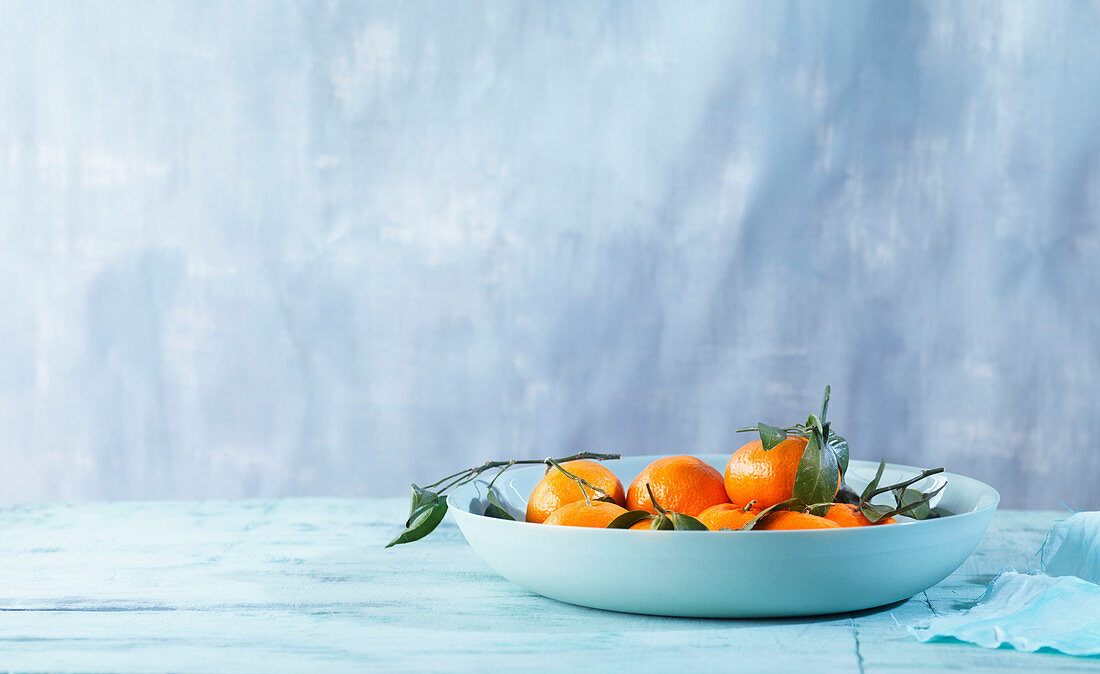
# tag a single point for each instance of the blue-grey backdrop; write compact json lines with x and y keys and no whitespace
{"x":329,"y":248}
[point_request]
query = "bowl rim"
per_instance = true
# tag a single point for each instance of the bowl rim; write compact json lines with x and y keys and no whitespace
{"x":453,"y":503}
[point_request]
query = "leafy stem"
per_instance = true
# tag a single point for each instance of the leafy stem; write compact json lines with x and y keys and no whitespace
{"x":901,"y":485}
{"x":428,"y":506}
{"x":824,"y":461}
{"x":501,"y":472}
{"x":489,"y":465}
{"x":797,"y":429}
{"x":908,"y":500}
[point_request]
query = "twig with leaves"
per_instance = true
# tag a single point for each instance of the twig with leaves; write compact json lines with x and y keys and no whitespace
{"x":824,"y":460}
{"x":429,"y":505}
{"x":819,"y":478}
{"x":910,"y":502}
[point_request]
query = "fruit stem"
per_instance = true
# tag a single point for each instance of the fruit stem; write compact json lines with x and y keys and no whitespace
{"x":470,"y":473}
{"x":510,"y":464}
{"x":460,"y":477}
{"x":901,"y":510}
{"x":653,"y":499}
{"x":581,"y":482}
{"x":453,"y":475}
{"x":906,"y":483}
{"x":797,"y":428}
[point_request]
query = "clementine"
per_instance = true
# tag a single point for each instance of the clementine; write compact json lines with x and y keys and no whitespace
{"x":556,"y":489}
{"x":682,"y":484}
{"x":848,"y":515}
{"x":789,"y":519}
{"x":763,"y":478}
{"x":580,"y":514}
{"x":726,"y":516}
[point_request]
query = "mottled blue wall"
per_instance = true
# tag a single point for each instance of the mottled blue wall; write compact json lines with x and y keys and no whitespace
{"x":329,"y":248}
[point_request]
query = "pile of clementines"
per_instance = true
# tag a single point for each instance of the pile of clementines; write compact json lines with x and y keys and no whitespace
{"x":585,"y":493}
{"x":791,"y":478}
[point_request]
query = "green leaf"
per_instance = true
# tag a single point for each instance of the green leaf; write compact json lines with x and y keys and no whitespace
{"x":682,"y":522}
{"x":496,"y":508}
{"x":916,"y":504}
{"x":770,"y":436}
{"x":496,"y":512}
{"x":629,"y":519}
{"x":662,"y":523}
{"x":869,"y":490}
{"x":819,"y":509}
{"x":818,"y":476}
{"x":606,"y":498}
{"x":840,"y":447}
{"x":424,"y":522}
{"x":420,"y":497}
{"x":789,"y":504}
{"x":874,"y":512}
{"x":914,"y":497}
{"x":825,"y":404}
{"x":846,"y":495}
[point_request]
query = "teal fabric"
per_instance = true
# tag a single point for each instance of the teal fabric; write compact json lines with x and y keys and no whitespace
{"x":1056,"y":608}
{"x":1073,"y":548}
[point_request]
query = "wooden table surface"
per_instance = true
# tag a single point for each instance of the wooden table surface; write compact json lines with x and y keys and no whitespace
{"x":305,"y":585}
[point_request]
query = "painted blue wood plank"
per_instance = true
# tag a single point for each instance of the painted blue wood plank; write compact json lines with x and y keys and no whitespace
{"x":302,"y":584}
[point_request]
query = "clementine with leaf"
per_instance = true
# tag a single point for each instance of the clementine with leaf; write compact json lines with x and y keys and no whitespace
{"x":662,"y":520}
{"x":849,"y":515}
{"x":556,"y":489}
{"x":763,"y":477}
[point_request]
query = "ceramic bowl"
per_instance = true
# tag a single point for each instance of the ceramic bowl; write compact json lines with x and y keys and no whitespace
{"x":728,"y":574}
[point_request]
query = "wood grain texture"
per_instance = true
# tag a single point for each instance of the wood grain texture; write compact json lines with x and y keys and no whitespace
{"x":304,"y":584}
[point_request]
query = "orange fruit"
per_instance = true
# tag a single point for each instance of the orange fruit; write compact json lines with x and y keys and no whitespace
{"x":556,"y":489}
{"x":725,"y":516}
{"x":644,"y":524}
{"x":580,"y":514}
{"x":789,"y":519}
{"x":682,"y":484}
{"x":848,"y":515}
{"x":764,"y":477}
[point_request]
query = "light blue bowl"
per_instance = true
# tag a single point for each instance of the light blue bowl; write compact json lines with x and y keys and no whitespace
{"x":742,"y":574}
